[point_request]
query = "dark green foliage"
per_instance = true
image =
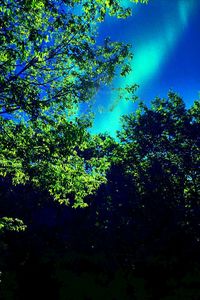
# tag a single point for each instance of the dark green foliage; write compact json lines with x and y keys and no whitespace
{"x":161,"y":151}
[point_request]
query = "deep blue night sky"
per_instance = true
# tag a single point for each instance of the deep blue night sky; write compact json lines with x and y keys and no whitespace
{"x":165,"y":38}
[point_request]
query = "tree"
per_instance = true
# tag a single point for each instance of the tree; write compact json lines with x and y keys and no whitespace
{"x":49,"y":53}
{"x":50,"y":62}
{"x":45,"y":154}
{"x":160,"y":146}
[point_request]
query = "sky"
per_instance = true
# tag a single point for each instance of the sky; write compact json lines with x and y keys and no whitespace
{"x":165,"y":39}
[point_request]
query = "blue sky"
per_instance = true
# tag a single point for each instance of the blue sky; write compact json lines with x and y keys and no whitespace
{"x":166,"y":46}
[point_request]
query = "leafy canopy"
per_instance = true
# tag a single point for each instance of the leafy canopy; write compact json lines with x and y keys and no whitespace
{"x":161,"y":151}
{"x":49,"y":62}
{"x":49,"y":53}
{"x":153,"y":184}
{"x":48,"y":154}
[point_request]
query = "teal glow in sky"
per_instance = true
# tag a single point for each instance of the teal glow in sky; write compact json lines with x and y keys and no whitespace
{"x":165,"y":39}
